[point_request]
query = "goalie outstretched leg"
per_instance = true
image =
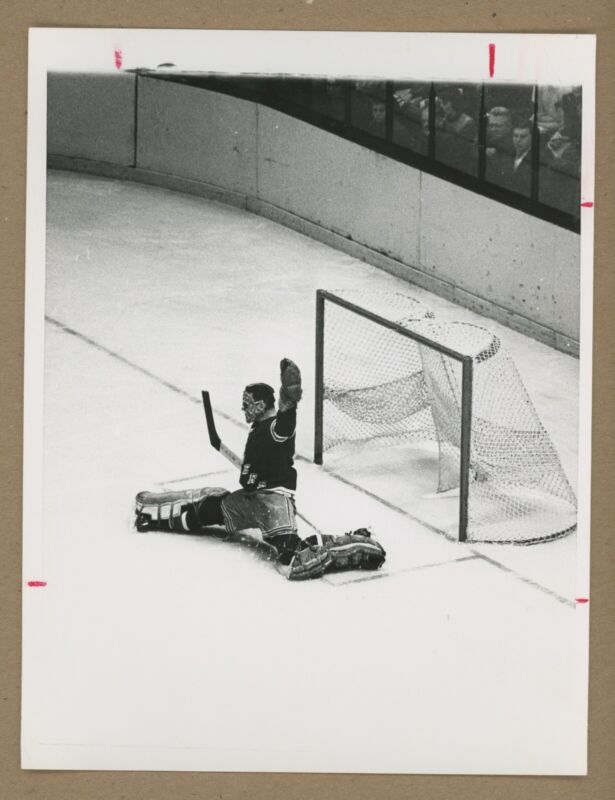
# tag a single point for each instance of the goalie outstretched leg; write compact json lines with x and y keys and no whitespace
{"x":181,"y":511}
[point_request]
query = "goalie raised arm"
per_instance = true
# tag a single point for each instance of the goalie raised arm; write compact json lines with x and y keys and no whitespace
{"x":291,"y":390}
{"x":268,"y":461}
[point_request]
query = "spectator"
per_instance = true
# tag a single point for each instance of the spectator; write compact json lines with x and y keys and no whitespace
{"x":499,"y":130}
{"x":368,"y":107}
{"x":561,"y":159}
{"x":564,"y":146}
{"x":410,"y":100}
{"x":455,"y":132}
{"x":377,"y":123}
{"x":518,"y":173}
{"x":550,"y":113}
{"x":499,"y":144}
{"x":452,"y":116}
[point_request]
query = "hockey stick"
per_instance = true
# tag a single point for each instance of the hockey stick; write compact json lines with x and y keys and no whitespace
{"x":215,"y":440}
{"x":218,"y":444}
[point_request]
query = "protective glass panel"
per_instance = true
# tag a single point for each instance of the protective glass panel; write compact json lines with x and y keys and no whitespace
{"x":327,"y":97}
{"x":368,"y":107}
{"x":411,"y":116}
{"x":559,"y":122}
{"x":456,"y":126}
{"x":508,"y":137}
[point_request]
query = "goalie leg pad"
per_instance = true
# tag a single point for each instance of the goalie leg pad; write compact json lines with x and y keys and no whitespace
{"x":182,"y":511}
{"x":311,"y":562}
{"x":353,"y":550}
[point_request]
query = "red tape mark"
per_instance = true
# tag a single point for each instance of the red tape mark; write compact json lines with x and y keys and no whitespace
{"x":491,"y":60}
{"x":582,"y":599}
{"x":588,"y":204}
{"x":37,"y":583}
{"x":118,"y":59}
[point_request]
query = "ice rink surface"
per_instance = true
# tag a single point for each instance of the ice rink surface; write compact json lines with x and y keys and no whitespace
{"x":185,"y":652}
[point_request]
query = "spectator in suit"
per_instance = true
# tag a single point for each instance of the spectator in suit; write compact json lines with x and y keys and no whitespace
{"x":499,"y":144}
{"x":518,"y":174}
{"x":499,"y":129}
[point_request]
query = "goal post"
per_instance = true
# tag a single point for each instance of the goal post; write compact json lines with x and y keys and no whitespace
{"x":466,"y":398}
{"x":464,"y":449}
{"x":388,"y":372}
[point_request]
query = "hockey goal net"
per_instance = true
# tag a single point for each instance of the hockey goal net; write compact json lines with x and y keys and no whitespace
{"x":389,"y":372}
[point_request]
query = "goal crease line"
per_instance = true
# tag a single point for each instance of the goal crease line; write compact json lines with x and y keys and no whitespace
{"x":560,"y":599}
{"x":416,"y":568}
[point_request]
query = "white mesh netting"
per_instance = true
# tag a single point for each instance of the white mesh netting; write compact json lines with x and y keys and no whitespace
{"x":381,"y":386}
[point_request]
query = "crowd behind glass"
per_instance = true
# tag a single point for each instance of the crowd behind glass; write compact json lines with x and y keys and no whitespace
{"x":526,"y":139}
{"x":523,"y":139}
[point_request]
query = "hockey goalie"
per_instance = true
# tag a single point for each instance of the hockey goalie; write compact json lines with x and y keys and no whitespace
{"x":266,"y":499}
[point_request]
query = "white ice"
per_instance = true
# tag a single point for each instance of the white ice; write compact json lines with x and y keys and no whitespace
{"x":180,"y":652}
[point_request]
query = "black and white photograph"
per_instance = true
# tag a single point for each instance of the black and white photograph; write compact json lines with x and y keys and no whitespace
{"x":308,"y":402}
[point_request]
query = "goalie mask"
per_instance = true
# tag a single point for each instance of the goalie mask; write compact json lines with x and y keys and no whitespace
{"x":257,"y":399}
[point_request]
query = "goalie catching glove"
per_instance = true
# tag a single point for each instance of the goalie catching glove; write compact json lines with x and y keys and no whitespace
{"x":291,"y":391}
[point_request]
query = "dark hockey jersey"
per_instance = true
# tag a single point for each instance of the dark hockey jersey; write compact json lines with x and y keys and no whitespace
{"x":268,"y":457}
